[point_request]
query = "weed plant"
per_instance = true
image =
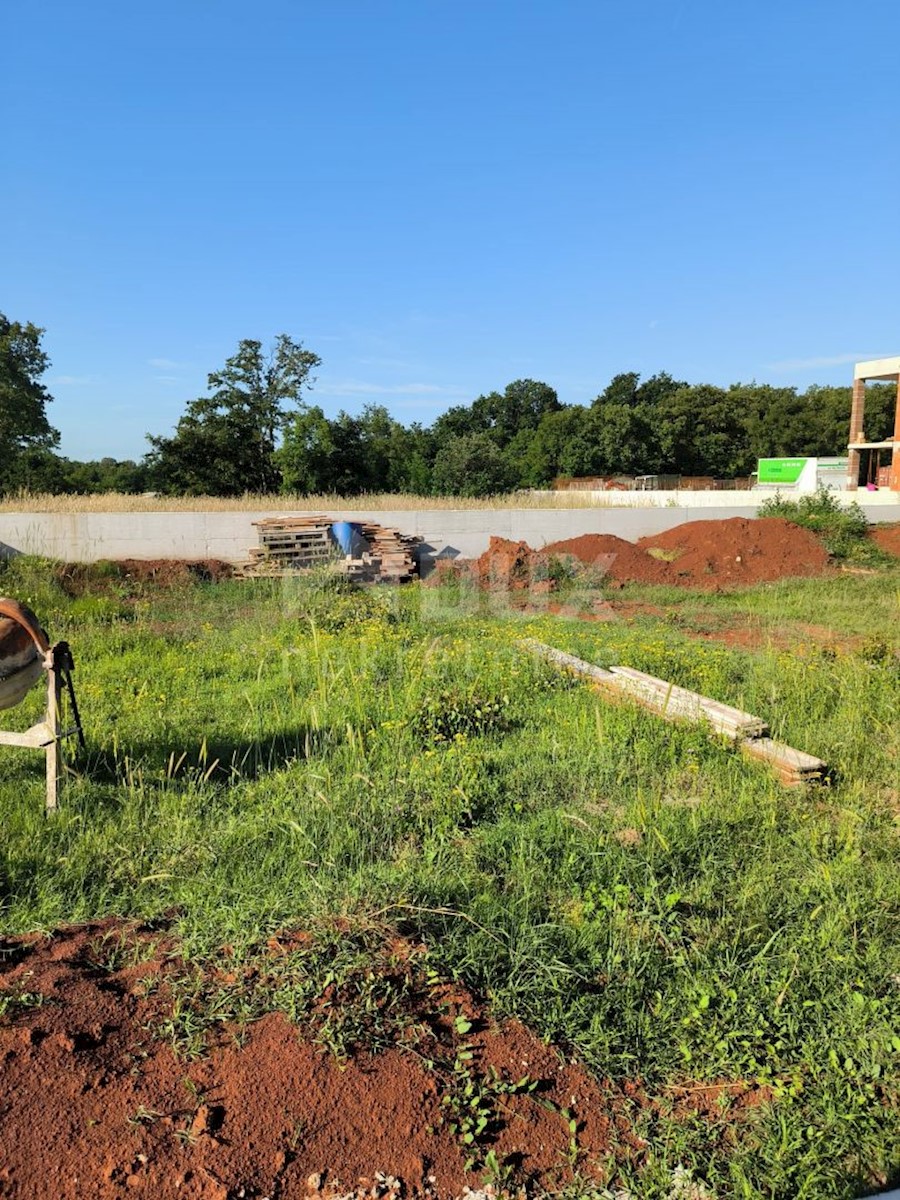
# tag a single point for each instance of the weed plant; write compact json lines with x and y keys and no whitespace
{"x":842,"y":527}
{"x":266,"y":756}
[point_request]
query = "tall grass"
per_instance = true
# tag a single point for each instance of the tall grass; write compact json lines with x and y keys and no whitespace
{"x":288,"y":502}
{"x":266,"y":756}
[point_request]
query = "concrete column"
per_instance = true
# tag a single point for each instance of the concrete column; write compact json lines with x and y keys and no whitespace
{"x":857,"y":416}
{"x":895,"y":453}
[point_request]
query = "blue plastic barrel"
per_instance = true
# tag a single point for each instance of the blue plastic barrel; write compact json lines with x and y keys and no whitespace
{"x":348,"y":536}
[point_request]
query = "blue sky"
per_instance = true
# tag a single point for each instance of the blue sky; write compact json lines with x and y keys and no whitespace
{"x":441,"y":197}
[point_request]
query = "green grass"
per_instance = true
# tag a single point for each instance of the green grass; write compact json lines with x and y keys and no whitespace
{"x":851,"y":605}
{"x":264,"y":757}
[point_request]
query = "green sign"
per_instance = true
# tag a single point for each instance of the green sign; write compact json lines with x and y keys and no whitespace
{"x":780,"y":470}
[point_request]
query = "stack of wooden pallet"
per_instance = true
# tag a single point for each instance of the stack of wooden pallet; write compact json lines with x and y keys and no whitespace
{"x":794,"y":767}
{"x":289,"y":544}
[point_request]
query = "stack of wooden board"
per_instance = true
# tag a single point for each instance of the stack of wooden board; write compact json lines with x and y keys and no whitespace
{"x":393,"y":550}
{"x":288,"y":544}
{"x":674,"y":701}
{"x":794,"y":767}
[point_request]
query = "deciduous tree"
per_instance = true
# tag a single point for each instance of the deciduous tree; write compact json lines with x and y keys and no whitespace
{"x":225,"y":443}
{"x":23,"y":398}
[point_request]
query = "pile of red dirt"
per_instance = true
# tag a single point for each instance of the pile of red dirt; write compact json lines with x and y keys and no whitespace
{"x":887,"y":538}
{"x":78,"y":579}
{"x":507,"y":564}
{"x":739,"y":550}
{"x":95,"y":1102}
{"x":612,"y":557}
{"x":170,"y":571}
{"x":699,"y":554}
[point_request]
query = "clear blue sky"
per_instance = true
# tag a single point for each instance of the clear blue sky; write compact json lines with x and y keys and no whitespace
{"x":440,"y":196}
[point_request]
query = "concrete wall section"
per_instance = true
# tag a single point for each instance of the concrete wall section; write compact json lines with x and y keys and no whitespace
{"x":87,"y":537}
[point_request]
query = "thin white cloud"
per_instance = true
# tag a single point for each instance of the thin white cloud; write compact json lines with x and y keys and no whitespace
{"x":167,"y":379}
{"x":387,"y":364}
{"x":357,"y":388}
{"x":418,"y":405}
{"x":807,"y":364}
{"x":165,"y":364}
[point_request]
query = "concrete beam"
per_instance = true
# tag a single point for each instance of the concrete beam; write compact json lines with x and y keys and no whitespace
{"x":877,"y":368}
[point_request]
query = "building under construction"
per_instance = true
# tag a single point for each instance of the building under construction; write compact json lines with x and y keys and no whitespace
{"x":875,"y":463}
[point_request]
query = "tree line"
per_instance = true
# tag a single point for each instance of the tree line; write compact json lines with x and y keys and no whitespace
{"x":255,"y":431}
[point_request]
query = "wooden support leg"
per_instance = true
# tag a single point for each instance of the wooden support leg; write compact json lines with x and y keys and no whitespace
{"x":52,"y":749}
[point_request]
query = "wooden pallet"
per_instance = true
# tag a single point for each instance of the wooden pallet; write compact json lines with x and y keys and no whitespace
{"x":288,"y":544}
{"x":793,"y":767}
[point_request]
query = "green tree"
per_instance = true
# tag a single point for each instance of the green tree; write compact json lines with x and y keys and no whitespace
{"x":472,"y":465}
{"x":703,"y":431}
{"x":520,"y":406}
{"x":625,"y":423}
{"x":561,"y":445}
{"x":106,"y":475}
{"x":461,"y":420}
{"x":623,"y":436}
{"x":225,"y":443}
{"x":308,"y":455}
{"x":23,"y":398}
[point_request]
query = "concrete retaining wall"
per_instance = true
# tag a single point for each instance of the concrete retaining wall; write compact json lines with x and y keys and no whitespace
{"x":87,"y":537}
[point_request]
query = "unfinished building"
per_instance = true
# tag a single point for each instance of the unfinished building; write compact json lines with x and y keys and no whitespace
{"x":866,"y":458}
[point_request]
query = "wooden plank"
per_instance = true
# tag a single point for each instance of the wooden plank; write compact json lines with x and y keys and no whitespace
{"x":290,"y":543}
{"x":675,"y":709}
{"x":794,"y":767}
{"x":569,"y":662}
{"x":722,"y":716}
{"x":35,"y":738}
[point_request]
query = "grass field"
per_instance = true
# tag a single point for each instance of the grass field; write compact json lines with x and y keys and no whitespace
{"x":267,"y":755}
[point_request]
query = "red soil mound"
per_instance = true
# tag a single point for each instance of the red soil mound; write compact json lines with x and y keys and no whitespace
{"x":504,"y":562}
{"x":79,"y":579}
{"x":94,"y":1102}
{"x":700,"y":554}
{"x":740,"y":550}
{"x":613,"y":556}
{"x":175,"y":570}
{"x":887,"y":538}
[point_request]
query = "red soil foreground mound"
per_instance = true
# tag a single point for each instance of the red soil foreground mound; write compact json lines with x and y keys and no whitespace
{"x":95,"y":1103}
{"x":699,"y":554}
